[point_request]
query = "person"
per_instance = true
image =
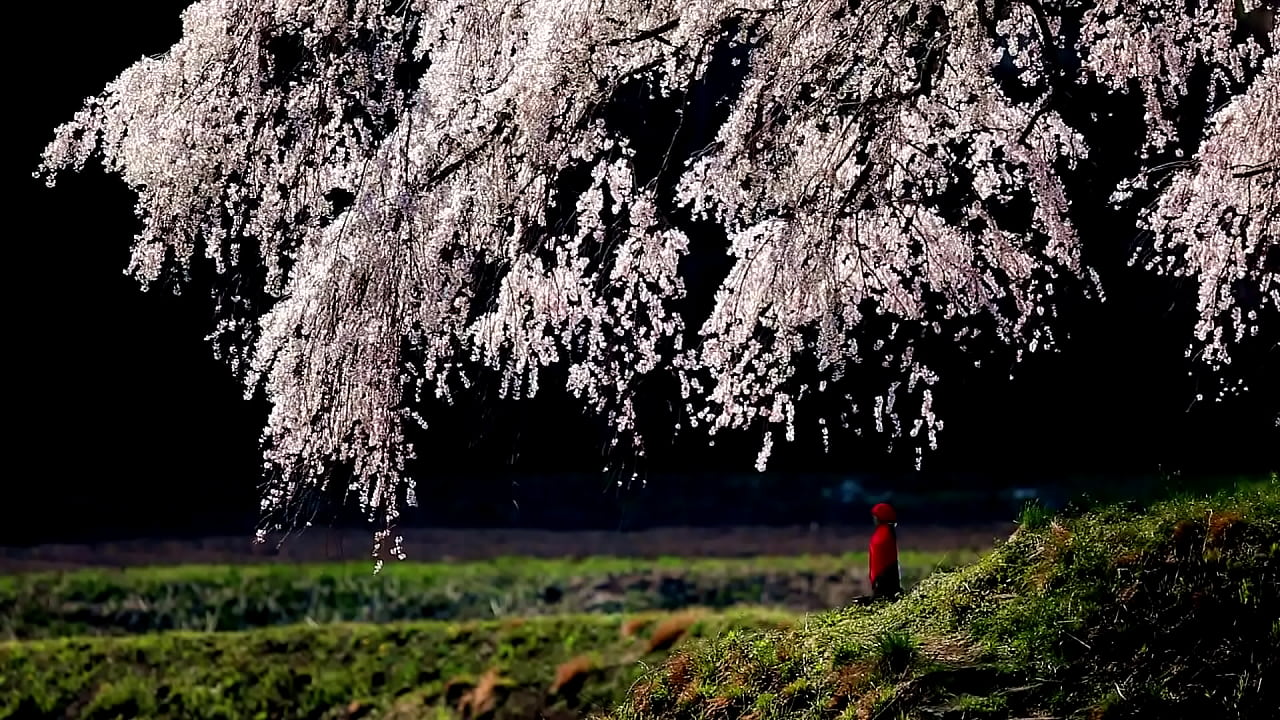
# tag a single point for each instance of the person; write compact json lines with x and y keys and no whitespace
{"x":886,"y":577}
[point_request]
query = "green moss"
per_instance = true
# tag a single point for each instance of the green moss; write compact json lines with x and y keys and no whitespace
{"x":118,"y":602}
{"x":1098,"y":600}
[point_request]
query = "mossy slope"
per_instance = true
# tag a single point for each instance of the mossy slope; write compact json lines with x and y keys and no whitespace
{"x":1165,"y":612}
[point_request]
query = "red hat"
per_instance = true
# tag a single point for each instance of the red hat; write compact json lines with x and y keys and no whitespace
{"x":884,"y":513}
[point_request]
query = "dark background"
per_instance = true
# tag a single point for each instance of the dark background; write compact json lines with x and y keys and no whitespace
{"x":126,"y":425}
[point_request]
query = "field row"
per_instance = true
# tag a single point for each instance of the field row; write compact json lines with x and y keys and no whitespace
{"x":230,"y":598}
{"x":559,"y":667}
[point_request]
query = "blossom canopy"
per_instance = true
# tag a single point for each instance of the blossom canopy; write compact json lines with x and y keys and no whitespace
{"x":397,"y":197}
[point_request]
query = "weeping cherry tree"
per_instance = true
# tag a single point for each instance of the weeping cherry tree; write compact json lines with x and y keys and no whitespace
{"x":394,"y":197}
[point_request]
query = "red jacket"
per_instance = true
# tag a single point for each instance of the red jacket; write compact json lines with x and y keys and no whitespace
{"x":884,"y":551}
{"x":886,"y":576}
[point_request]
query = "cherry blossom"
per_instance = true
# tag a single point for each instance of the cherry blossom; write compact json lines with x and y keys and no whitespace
{"x":403,"y":193}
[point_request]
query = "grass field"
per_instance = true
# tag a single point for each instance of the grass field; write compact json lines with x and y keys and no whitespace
{"x":510,"y":638}
{"x":1152,"y":610}
{"x":119,"y":602}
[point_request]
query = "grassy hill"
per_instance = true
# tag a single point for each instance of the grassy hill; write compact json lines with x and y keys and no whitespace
{"x":1167,"y":611}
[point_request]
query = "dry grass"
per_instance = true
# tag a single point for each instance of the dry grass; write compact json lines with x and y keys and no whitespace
{"x":355,"y":710}
{"x":642,"y":695}
{"x":481,"y":699}
{"x":1185,"y":533}
{"x":866,"y":707}
{"x":848,"y":682}
{"x":689,"y":695}
{"x":950,"y":650}
{"x":1127,"y":558}
{"x":1222,"y":528}
{"x":570,"y":675}
{"x":736,"y":668}
{"x":633,"y":626}
{"x":1056,"y":545}
{"x":676,"y":680}
{"x":668,"y":632}
{"x":718,"y":706}
{"x":679,"y":675}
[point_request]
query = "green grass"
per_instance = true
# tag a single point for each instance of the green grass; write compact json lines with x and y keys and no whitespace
{"x":118,"y":602}
{"x":402,"y":670}
{"x":1164,"y":611}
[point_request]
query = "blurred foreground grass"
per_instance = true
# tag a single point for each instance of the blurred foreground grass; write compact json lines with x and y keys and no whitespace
{"x":549,"y":667}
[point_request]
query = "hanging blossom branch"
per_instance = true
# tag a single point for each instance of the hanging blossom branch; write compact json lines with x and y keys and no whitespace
{"x":397,"y":195}
{"x":1218,"y":222}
